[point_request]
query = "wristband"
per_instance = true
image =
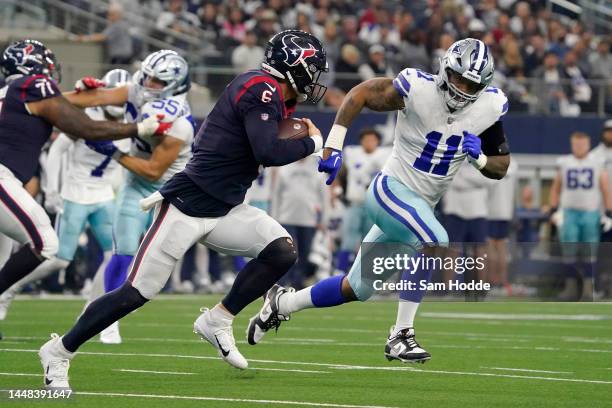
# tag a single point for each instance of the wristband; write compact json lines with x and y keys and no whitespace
{"x":335,"y":139}
{"x":118,"y":155}
{"x":480,"y":162}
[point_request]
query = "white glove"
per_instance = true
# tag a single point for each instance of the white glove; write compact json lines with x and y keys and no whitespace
{"x":153,"y":126}
{"x":54,"y":202}
{"x":557,"y":218}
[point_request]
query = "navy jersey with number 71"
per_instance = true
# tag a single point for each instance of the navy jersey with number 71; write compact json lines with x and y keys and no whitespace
{"x":23,"y":135}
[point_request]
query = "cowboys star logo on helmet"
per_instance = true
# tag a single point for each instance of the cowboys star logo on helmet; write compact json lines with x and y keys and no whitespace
{"x":294,"y":52}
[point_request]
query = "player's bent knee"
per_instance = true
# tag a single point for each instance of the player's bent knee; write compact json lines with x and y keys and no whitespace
{"x":131,"y":295}
{"x":281,"y":253}
{"x":50,"y":244}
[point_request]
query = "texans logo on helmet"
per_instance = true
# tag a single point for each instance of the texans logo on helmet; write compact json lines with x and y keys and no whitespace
{"x":19,"y":54}
{"x":294,"y":53}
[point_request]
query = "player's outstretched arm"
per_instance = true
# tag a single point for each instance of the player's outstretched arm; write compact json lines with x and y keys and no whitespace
{"x":74,"y":122}
{"x":162,"y":158}
{"x":555,"y":191}
{"x":604,"y":187}
{"x":377,"y":94}
{"x":98,"y":97}
{"x":61,"y":113}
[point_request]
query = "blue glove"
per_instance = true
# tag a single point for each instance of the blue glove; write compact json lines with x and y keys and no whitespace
{"x":105,"y":147}
{"x":331,"y":166}
{"x":471,"y":145}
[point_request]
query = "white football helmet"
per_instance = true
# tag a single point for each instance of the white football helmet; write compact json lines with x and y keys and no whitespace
{"x":469,"y":60}
{"x":167,"y":66}
{"x":114,"y":79}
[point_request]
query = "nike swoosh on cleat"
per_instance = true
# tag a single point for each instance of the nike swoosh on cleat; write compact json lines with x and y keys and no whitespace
{"x":224,"y":352}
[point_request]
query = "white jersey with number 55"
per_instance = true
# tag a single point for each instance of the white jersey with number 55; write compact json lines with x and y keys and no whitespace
{"x":174,"y":109}
{"x":428,"y":137}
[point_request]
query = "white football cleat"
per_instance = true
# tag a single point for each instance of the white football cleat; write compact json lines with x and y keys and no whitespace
{"x":55,"y":361}
{"x":221,"y":336}
{"x":5,"y":302}
{"x":111,"y":334}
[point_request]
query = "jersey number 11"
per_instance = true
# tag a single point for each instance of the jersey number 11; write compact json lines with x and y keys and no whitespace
{"x":424,"y":161}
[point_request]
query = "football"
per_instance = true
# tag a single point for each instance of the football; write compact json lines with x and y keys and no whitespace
{"x":292,"y":128}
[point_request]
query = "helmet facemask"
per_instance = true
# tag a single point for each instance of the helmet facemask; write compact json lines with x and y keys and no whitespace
{"x":465,"y":72}
{"x":456,"y":98}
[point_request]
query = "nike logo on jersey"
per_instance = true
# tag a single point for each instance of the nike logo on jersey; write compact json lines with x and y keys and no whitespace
{"x":272,"y":88}
{"x":47,"y":381}
{"x":223,"y":351}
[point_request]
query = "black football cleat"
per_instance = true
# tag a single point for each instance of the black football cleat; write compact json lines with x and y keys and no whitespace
{"x":268,"y":316}
{"x":402,"y":346}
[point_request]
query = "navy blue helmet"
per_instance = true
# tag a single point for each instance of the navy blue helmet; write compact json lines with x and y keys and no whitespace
{"x":29,"y":57}
{"x":299,"y":58}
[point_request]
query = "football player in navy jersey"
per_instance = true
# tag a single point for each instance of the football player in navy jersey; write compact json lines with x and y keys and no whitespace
{"x":204,"y":202}
{"x":31,"y":105}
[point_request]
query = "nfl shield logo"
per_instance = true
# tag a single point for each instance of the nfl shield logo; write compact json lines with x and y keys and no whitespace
{"x":264,"y":116}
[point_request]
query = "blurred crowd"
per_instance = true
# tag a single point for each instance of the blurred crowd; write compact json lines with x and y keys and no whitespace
{"x":367,"y":38}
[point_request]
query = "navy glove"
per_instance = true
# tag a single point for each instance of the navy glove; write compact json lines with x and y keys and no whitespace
{"x":105,"y":147}
{"x":331,"y":165}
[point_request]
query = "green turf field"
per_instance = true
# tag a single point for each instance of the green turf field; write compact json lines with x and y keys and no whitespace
{"x":484,"y":355}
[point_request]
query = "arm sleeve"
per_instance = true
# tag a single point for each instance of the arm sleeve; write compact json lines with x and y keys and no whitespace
{"x":54,"y":162}
{"x":261,"y":124}
{"x":494,"y":141}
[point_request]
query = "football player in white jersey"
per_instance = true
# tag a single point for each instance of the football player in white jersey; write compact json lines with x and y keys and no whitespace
{"x":579,"y":190}
{"x":87,"y":195}
{"x":361,"y":164}
{"x":159,"y":88}
{"x":442,"y":120}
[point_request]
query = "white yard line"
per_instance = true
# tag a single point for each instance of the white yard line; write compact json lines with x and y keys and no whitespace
{"x":225,"y":399}
{"x":290,"y":370}
{"x":126,"y":370}
{"x":515,"y":316}
{"x":21,"y":374}
{"x":528,"y":370}
{"x":342,"y":366}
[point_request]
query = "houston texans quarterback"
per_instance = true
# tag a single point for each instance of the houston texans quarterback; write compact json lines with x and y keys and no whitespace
{"x":442,"y":120}
{"x":204,"y":203}
{"x":31,"y":106}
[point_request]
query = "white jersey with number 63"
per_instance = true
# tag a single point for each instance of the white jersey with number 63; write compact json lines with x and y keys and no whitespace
{"x":428,"y":137}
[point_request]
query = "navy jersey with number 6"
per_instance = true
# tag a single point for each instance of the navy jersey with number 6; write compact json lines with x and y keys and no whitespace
{"x":23,"y":135}
{"x":239,"y":135}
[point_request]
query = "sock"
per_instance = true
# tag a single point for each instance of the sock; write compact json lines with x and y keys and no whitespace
{"x":101,"y":313}
{"x":415,"y":295}
{"x":406,"y":311}
{"x":41,"y":271}
{"x":220,"y":314}
{"x":116,"y":271}
{"x":295,"y":301}
{"x":20,"y":264}
{"x":258,"y":276}
{"x":97,"y":284}
{"x":328,"y":292}
{"x":343,"y":260}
